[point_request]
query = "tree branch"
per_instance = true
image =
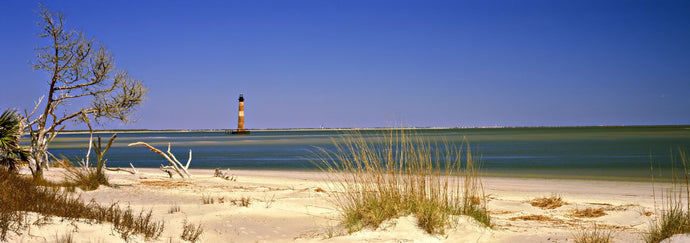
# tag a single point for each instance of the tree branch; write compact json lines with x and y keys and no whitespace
{"x":173,"y":163}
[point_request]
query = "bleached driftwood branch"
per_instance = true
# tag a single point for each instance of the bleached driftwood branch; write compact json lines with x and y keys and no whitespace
{"x":133,"y":171}
{"x":174,"y":163}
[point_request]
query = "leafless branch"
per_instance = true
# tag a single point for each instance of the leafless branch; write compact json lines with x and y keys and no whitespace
{"x":174,"y":163}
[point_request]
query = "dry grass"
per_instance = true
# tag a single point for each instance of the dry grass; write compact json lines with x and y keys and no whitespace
{"x":190,"y":232}
{"x":207,"y":199}
{"x":127,"y":224}
{"x":384,"y":176}
{"x":551,"y":202}
{"x":174,"y":209}
{"x":675,"y":214}
{"x":597,"y":234}
{"x":224,"y":175}
{"x":86,"y":178}
{"x":165,"y":183}
{"x":68,"y":238}
{"x":534,"y":217}
{"x":588,"y":213}
{"x":19,"y":195}
{"x":242,"y":202}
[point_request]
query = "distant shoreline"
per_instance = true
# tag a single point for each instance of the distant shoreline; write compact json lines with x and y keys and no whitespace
{"x":355,"y":129}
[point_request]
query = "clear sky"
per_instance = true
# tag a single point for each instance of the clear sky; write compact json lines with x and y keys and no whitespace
{"x":378,"y":63}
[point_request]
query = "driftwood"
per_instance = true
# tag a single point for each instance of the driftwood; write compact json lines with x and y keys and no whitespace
{"x":174,"y":163}
{"x":133,"y":171}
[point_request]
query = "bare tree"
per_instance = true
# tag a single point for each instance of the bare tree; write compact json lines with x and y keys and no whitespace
{"x":81,"y":72}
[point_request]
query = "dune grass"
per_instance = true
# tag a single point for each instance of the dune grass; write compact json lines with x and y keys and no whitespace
{"x":550,"y":202}
{"x":19,"y":195}
{"x":190,"y":232}
{"x":86,"y":178}
{"x":397,"y":173}
{"x":597,"y":234}
{"x":588,"y":213}
{"x":675,"y":213}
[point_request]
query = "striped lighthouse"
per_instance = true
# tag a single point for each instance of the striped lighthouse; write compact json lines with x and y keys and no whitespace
{"x":240,"y":118}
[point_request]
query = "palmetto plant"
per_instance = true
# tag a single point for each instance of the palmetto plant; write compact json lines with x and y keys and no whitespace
{"x":11,"y":154}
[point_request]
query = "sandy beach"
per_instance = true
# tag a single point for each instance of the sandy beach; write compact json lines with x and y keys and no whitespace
{"x":293,"y":206}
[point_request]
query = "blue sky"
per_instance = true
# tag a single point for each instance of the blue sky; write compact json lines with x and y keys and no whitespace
{"x":378,"y":63}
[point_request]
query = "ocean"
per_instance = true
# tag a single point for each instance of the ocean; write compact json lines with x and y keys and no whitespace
{"x":612,"y":153}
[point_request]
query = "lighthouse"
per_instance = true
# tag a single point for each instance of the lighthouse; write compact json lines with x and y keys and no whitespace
{"x":240,"y":118}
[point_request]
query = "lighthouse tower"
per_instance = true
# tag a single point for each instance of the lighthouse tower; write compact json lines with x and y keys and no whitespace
{"x":240,"y":119}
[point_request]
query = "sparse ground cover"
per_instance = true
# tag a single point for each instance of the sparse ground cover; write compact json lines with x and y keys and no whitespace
{"x":296,"y":206}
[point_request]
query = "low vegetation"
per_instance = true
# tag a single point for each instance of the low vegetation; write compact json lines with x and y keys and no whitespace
{"x":394,"y":174}
{"x":207,"y":199}
{"x":534,"y":217}
{"x":550,"y":202}
{"x":588,"y":213}
{"x":224,"y":175}
{"x":190,"y":232}
{"x":86,"y":178}
{"x":675,"y":213}
{"x":242,"y":202}
{"x":68,"y":238}
{"x":82,"y":174}
{"x":596,"y":234}
{"x":19,"y":195}
{"x":174,"y":209}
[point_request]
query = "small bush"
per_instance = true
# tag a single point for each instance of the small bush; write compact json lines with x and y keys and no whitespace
{"x":190,"y":232}
{"x":552,"y":202}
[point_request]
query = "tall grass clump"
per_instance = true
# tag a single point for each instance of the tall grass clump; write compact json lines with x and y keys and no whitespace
{"x":82,"y":174}
{"x":398,"y":173}
{"x":675,"y":213}
{"x":79,"y":175}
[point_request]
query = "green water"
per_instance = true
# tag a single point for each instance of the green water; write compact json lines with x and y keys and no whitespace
{"x":616,"y":153}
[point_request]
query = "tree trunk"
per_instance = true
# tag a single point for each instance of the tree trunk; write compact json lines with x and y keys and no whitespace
{"x":40,"y":154}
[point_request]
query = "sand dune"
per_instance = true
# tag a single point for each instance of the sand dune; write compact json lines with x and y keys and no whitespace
{"x":287,"y":206}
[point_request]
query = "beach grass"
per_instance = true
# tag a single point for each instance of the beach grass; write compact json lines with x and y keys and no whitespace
{"x":588,"y":213}
{"x":191,"y":232}
{"x":597,"y":234}
{"x":20,"y":195}
{"x":550,"y":202}
{"x":86,"y":178}
{"x":675,"y":213}
{"x":396,"y":173}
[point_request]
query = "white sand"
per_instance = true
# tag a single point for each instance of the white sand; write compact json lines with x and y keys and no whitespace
{"x":286,"y":207}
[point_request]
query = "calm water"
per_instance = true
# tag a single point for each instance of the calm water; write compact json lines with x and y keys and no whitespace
{"x":591,"y":152}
